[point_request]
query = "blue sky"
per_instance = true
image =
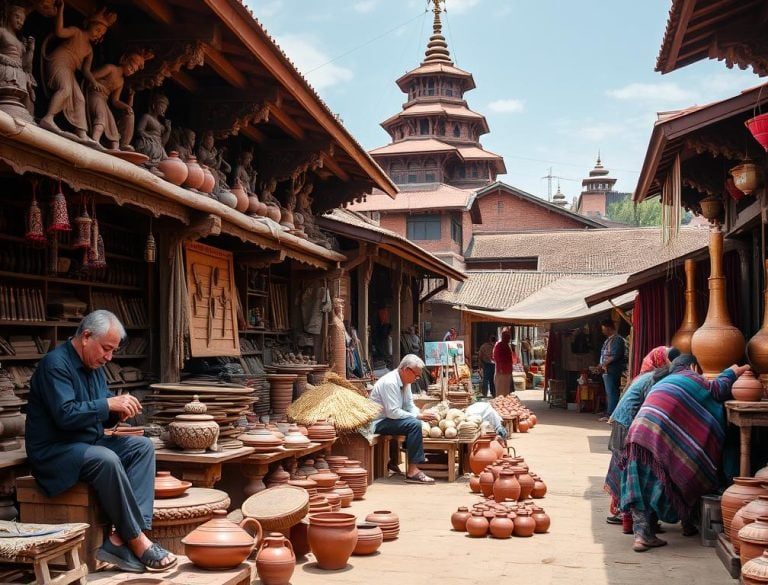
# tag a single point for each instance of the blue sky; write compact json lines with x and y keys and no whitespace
{"x":557,"y":80}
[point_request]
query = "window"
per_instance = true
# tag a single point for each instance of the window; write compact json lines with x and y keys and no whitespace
{"x":423,"y":227}
{"x":474,"y":171}
{"x":456,"y":131}
{"x":431,"y":87}
{"x":462,"y":173}
{"x":424,"y":127}
{"x":429,"y":178}
{"x":413,"y":178}
{"x":456,"y":230}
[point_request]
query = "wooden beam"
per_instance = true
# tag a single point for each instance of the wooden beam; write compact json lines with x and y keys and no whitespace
{"x":221,"y":65}
{"x":185,"y":80}
{"x":330,"y":163}
{"x":364,"y":273}
{"x":235,"y":49}
{"x":253,"y":133}
{"x":286,"y":122}
{"x":261,"y":259}
{"x":397,"y":290}
{"x":157,"y":9}
{"x":677,"y":40}
{"x":202,"y":226}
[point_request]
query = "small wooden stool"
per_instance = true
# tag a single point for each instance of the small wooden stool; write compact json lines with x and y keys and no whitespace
{"x":450,"y":447}
{"x":381,"y":453}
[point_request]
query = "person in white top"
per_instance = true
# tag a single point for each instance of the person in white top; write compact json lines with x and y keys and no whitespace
{"x":400,"y":416}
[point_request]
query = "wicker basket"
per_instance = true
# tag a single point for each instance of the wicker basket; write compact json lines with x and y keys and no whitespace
{"x":277,"y":508}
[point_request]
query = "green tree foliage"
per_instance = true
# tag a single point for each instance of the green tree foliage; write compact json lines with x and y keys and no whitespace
{"x":647,"y":213}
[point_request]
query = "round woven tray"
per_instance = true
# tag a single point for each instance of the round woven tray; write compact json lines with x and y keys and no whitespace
{"x":277,"y":508}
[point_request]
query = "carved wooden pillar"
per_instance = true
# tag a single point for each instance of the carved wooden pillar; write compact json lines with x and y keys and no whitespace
{"x":364,"y":273}
{"x":397,"y":290}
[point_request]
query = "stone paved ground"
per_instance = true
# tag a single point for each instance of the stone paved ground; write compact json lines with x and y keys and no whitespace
{"x":569,"y":451}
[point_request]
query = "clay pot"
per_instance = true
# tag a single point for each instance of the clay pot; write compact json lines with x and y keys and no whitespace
{"x":717,"y":343}
{"x":757,"y":348}
{"x":195,"y":175}
{"x":754,"y":539}
{"x":542,"y":520}
{"x":501,"y":526}
{"x":194,"y":431}
{"x":167,"y":486}
{"x":173,"y":168}
{"x":220,"y":543}
{"x":507,"y":487}
{"x":740,"y":493}
{"x":523,"y":425}
{"x":332,"y":538}
{"x":369,"y":539}
{"x":486,"y":482}
{"x":227,"y":198}
{"x":209,"y":181}
{"x":539,"y":488}
{"x":276,"y":560}
{"x":682,"y":337}
{"x":746,"y":177}
{"x":747,"y":388}
{"x":273,"y":213}
{"x":477,"y":525}
{"x":526,"y":482}
{"x":525,"y":525}
{"x":242,"y":197}
{"x":278,"y":477}
{"x":325,"y":479}
{"x":300,"y":538}
{"x":345,"y":492}
{"x":295,"y":440}
{"x":303,"y":481}
{"x":482,"y":455}
{"x":755,"y":572}
{"x":474,"y":483}
{"x":334,"y":500}
{"x":255,"y":207}
{"x":261,"y":438}
{"x":459,"y":519}
{"x":532,"y":418}
{"x":711,"y":207}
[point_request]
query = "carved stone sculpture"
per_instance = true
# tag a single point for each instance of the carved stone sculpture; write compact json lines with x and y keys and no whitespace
{"x":110,"y":80}
{"x":182,"y":140}
{"x":153,"y":130}
{"x":245,"y":173}
{"x":73,"y":54}
{"x":305,"y":218}
{"x":212,"y":157}
{"x":17,"y":85}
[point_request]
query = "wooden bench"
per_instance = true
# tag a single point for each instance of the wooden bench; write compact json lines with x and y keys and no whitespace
{"x":77,"y":504}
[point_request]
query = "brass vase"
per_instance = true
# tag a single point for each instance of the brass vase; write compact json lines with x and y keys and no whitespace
{"x":757,"y":348}
{"x":682,"y":337}
{"x":717,"y":344}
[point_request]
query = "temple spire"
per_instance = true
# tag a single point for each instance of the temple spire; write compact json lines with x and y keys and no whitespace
{"x":437,"y":48}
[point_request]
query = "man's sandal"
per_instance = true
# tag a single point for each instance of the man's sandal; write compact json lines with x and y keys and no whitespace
{"x":394,"y":468}
{"x":420,"y":477}
{"x":120,"y":556}
{"x":153,"y":558}
{"x":642,"y":545}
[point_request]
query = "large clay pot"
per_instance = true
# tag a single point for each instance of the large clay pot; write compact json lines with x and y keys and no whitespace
{"x":682,"y":337}
{"x":755,"y":572}
{"x":369,"y":539}
{"x":482,"y":455}
{"x":209,"y":181}
{"x":524,"y":524}
{"x":332,"y":538}
{"x":195,"y":174}
{"x":754,"y":539}
{"x":507,"y":487}
{"x":220,"y":543}
{"x":276,"y":560}
{"x":747,"y":388}
{"x":486,"y":482}
{"x":194,"y":431}
{"x":717,"y":344}
{"x":173,"y":168}
{"x":474,"y":483}
{"x":242,"y":197}
{"x":273,"y":213}
{"x":757,"y":348}
{"x":746,"y":515}
{"x":459,"y":519}
{"x":300,"y":538}
{"x":526,"y":482}
{"x":542,"y":520}
{"x":477,"y":525}
{"x":740,"y":493}
{"x":501,"y":525}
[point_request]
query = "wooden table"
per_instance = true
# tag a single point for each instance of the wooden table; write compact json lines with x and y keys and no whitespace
{"x":202,"y":469}
{"x":510,"y":423}
{"x":185,"y":572}
{"x":746,"y":415}
{"x":450,"y":447}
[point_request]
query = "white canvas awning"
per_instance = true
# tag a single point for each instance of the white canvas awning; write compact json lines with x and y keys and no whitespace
{"x":562,"y":300}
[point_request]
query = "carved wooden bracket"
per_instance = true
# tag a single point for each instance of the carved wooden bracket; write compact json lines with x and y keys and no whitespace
{"x":226,"y":112}
{"x":202,"y":227}
{"x":261,"y":259}
{"x":170,"y":58}
{"x":284,"y":164}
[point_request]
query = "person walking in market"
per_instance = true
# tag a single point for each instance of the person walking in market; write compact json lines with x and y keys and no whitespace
{"x":400,"y":416}
{"x":673,"y":452}
{"x":485,"y":359}
{"x":504,"y":357}
{"x":612,"y":364}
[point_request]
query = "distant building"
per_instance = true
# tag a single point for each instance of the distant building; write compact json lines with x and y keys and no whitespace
{"x":597,"y":193}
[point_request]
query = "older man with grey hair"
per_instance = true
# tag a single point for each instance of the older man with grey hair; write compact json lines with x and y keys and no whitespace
{"x":400,"y":416}
{"x":69,"y":407}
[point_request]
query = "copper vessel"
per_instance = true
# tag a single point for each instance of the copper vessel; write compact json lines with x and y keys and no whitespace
{"x":682,"y":337}
{"x":717,"y":344}
{"x":757,"y":348}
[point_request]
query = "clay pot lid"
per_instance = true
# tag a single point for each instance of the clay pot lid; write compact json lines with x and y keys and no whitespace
{"x":757,"y":568}
{"x":168,"y":486}
{"x":302,"y":481}
{"x":219,"y":532}
{"x":277,"y":503}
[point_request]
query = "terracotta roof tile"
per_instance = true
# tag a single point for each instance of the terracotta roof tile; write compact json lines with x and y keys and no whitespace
{"x":417,"y":198}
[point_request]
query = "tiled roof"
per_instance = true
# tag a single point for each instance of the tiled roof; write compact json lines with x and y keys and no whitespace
{"x":413,"y":145}
{"x":435,"y":108}
{"x":603,"y":251}
{"x":422,"y":198}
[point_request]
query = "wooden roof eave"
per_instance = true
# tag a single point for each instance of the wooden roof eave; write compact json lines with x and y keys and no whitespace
{"x":240,"y":22}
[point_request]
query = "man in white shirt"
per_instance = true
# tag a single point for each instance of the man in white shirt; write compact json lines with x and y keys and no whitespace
{"x":400,"y":416}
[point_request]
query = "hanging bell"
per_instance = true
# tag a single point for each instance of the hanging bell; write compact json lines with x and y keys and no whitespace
{"x":150,"y":249}
{"x":83,"y":229}
{"x":59,"y":215}
{"x":35,"y":232}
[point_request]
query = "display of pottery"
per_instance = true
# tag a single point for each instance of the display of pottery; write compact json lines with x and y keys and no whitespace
{"x":332,"y":538}
{"x":754,"y":539}
{"x":194,"y":431}
{"x":717,"y":344}
{"x":682,"y":337}
{"x":275,"y":561}
{"x":355,"y":476}
{"x":369,"y":539}
{"x":167,"y":486}
{"x":747,"y":388}
{"x":220,"y":543}
{"x":740,"y":493}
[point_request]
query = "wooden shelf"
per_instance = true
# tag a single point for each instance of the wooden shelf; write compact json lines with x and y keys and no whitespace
{"x":127,"y":356}
{"x":72,"y":281}
{"x":21,"y":358}
{"x":16,"y":323}
{"x":129,"y":385}
{"x":117,"y":256}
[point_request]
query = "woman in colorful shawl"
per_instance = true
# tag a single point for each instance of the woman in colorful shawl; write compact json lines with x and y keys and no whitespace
{"x":674,"y":448}
{"x":658,"y":357}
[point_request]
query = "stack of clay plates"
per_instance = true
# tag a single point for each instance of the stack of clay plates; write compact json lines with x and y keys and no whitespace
{"x":321,"y":431}
{"x":387,"y":521}
{"x":227,"y":403}
{"x":355,"y":476}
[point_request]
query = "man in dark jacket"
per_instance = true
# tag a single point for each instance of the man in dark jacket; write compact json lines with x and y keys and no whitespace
{"x":69,"y":406}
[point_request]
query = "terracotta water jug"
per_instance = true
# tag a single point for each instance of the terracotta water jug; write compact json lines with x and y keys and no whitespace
{"x":747,"y":388}
{"x":526,"y":482}
{"x":524,"y":524}
{"x":220,"y":543}
{"x":717,"y":344}
{"x":757,"y":348}
{"x":501,"y":525}
{"x":482,"y":455}
{"x":276,"y":560}
{"x":539,"y":488}
{"x":542,"y":520}
{"x":459,"y":519}
{"x":486,"y":482}
{"x":209,"y":181}
{"x":474,"y":483}
{"x":507,"y":487}
{"x":477,"y":524}
{"x":195,"y":175}
{"x":682,"y":337}
{"x":754,"y":539}
{"x":332,"y":538}
{"x":173,"y":168}
{"x":740,"y":493}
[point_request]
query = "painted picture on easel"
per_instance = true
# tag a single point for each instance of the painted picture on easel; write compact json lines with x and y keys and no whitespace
{"x":444,"y":353}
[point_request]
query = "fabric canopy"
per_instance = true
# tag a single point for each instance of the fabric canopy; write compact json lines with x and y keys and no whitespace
{"x":562,"y":300}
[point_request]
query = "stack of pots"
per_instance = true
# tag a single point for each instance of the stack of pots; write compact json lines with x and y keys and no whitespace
{"x":322,"y":431}
{"x":501,"y":520}
{"x":388,"y":521}
{"x":753,"y":539}
{"x":739,"y":494}
{"x":746,"y":515}
{"x":336,"y":462}
{"x":332,"y":538}
{"x":345,"y":493}
{"x":355,"y":476}
{"x":281,"y":392}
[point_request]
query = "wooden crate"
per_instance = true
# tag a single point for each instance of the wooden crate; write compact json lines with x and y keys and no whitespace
{"x":77,"y":504}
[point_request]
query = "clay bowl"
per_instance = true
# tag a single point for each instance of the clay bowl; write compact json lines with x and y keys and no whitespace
{"x":369,"y":539}
{"x":167,"y":486}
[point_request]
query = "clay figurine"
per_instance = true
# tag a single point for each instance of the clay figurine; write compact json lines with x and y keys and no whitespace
{"x":17,"y":85}
{"x":153,"y":130}
{"x":110,"y":80}
{"x":307,"y":219}
{"x":245,"y":173}
{"x":73,"y":54}
{"x":212,"y":157}
{"x":182,"y":140}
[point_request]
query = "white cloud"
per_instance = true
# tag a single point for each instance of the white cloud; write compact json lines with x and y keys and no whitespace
{"x":365,"y":6}
{"x":663,"y":92}
{"x":461,"y":6}
{"x":507,"y":106}
{"x":312,"y":61}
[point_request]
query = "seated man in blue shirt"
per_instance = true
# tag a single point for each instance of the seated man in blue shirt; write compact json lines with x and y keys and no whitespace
{"x":69,"y":406}
{"x":400,"y":416}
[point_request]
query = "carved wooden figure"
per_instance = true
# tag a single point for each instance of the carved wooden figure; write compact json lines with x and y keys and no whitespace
{"x":245,"y":173}
{"x":182,"y":140}
{"x":212,"y":157}
{"x":17,"y":85}
{"x":153,"y":130}
{"x":73,"y":54}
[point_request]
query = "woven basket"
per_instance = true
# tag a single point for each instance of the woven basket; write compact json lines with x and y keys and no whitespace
{"x":277,"y":508}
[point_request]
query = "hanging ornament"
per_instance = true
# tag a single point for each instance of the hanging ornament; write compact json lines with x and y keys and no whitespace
{"x":35,"y":232}
{"x":102,"y":257}
{"x":59,"y":215}
{"x":83,"y":227}
{"x":93,"y":249}
{"x":150,"y":247}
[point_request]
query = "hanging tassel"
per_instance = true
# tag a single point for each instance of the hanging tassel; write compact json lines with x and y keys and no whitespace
{"x":150,"y":247}
{"x":83,"y":226}
{"x":93,"y":249}
{"x":35,"y":232}
{"x":59,"y":215}
{"x":101,"y":263}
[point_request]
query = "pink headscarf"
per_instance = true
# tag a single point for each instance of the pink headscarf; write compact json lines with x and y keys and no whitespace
{"x":656,"y":358}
